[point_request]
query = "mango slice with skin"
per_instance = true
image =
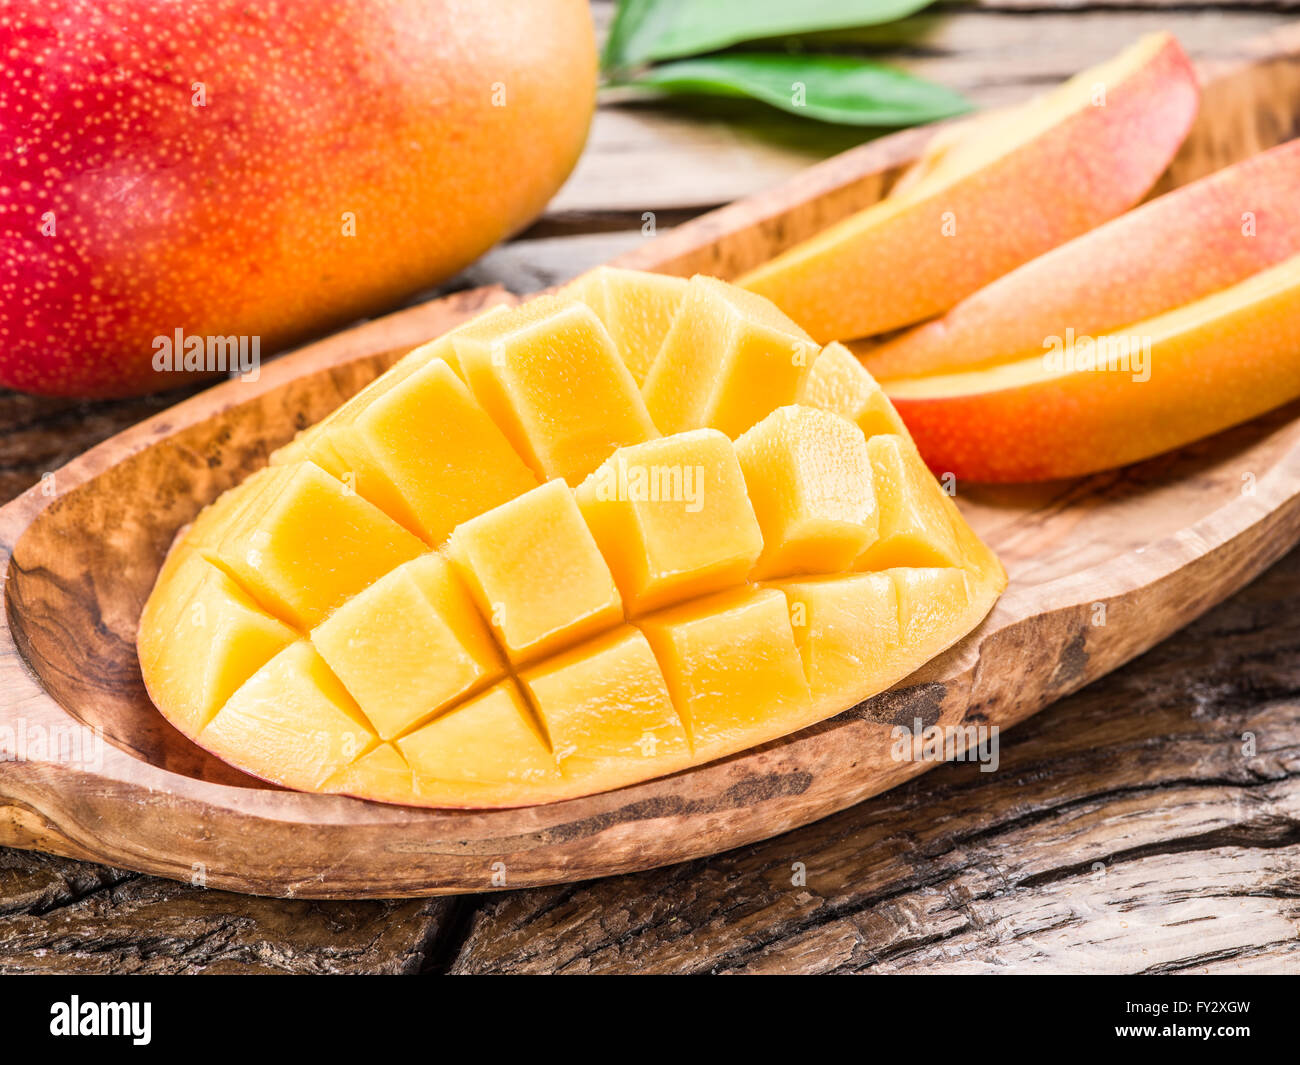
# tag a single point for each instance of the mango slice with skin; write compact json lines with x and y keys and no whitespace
{"x":396,"y":609}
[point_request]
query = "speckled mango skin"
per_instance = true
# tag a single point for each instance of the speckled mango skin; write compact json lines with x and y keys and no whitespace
{"x":262,"y":168}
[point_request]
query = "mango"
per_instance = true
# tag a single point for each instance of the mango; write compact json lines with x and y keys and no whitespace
{"x":536,"y":572}
{"x":989,"y":195}
{"x":637,"y":309}
{"x":556,"y":385}
{"x":810,"y":479}
{"x":428,"y":624}
{"x":727,"y":360}
{"x":255,"y":170}
{"x":1115,"y":399}
{"x":672,"y":518}
{"x":420,"y":622}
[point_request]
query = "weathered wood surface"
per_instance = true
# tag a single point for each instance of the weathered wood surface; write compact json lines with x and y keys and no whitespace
{"x":900,"y":891}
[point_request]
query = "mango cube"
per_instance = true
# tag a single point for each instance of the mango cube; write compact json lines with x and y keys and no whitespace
{"x":536,"y":573}
{"x":420,"y":622}
{"x":427,"y":455}
{"x":728,"y":360}
{"x":303,"y":446}
{"x":605,"y":705}
{"x":672,"y":519}
{"x":309,"y":545}
{"x":928,"y":601}
{"x":839,"y":383}
{"x":810,"y":480}
{"x":915,"y":526}
{"x":217,"y":638}
{"x":292,"y":718}
{"x":847,"y":631}
{"x":491,"y":741}
{"x":636,"y":308}
{"x":555,"y":384}
{"x":733,"y":668}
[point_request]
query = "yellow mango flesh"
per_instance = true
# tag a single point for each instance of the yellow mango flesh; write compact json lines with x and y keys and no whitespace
{"x":425,"y":452}
{"x":637,"y":309}
{"x":733,"y":668}
{"x":396,"y":609}
{"x":311,"y":546}
{"x":810,"y":480}
{"x":838,"y":382}
{"x":301,"y":447}
{"x":536,"y":573}
{"x":556,"y":386}
{"x":487,"y":749}
{"x":606,"y":707}
{"x":672,"y":519}
{"x":420,"y":623}
{"x":728,"y":359}
{"x":292,"y":720}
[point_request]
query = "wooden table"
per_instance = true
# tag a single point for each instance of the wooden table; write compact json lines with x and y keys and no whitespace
{"x":1150,"y":823}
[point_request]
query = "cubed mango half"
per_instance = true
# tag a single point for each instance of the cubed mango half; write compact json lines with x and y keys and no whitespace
{"x":503,"y":574}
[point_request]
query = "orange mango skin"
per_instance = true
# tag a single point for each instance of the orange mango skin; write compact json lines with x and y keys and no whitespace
{"x":1089,"y":167}
{"x":1228,"y":370}
{"x":1188,"y":243}
{"x":233,"y":218}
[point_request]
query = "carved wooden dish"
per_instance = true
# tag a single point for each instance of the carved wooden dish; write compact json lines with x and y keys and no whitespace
{"x":1157,"y":544}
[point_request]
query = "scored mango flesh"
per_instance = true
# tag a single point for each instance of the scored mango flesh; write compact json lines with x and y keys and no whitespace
{"x":602,"y":537}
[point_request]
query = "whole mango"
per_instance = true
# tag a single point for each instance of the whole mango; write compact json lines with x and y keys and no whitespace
{"x":254,"y":171}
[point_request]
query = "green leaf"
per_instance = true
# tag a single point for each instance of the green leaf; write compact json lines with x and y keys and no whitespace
{"x":832,"y":88}
{"x":648,"y":30}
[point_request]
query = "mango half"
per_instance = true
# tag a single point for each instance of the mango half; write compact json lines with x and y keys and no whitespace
{"x":533,"y":562}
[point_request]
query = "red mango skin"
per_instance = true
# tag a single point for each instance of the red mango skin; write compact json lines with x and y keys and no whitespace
{"x":262,"y":168}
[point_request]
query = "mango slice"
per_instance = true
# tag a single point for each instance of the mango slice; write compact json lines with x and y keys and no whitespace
{"x":728,"y":359}
{"x":426,"y":454}
{"x":488,"y":749}
{"x":300,"y":448}
{"x":607,"y":709}
{"x":838,"y":382}
{"x":733,"y":668}
{"x":309,"y":545}
{"x":490,"y":579}
{"x":215,"y":639}
{"x":915,"y":526}
{"x":672,"y":518}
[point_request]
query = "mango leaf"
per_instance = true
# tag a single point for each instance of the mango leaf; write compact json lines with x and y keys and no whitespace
{"x":832,"y":88}
{"x":648,"y":30}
